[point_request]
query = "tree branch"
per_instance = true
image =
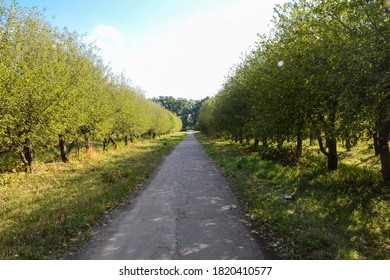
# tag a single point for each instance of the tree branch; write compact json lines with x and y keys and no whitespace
{"x":369,"y":17}
{"x":322,"y":148}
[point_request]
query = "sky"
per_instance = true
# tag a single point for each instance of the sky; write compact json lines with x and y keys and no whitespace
{"x":180,"y":48}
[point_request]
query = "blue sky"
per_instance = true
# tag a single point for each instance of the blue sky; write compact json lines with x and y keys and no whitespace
{"x":182,"y":48}
{"x":83,"y":15}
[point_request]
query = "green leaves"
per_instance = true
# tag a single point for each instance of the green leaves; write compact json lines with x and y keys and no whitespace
{"x":186,"y":110}
{"x":333,"y":81}
{"x":52,"y":83}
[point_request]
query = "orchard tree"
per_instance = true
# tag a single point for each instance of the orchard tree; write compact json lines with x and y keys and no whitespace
{"x":322,"y":73}
{"x":55,"y":90}
{"x":33,"y":94}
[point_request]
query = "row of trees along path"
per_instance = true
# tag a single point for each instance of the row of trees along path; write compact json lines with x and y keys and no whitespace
{"x":55,"y":90}
{"x":322,"y":73}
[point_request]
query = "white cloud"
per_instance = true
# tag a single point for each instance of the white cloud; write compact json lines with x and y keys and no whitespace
{"x":187,"y":58}
{"x":110,"y":43}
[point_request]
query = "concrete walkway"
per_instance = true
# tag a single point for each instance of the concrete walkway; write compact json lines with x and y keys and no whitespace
{"x":186,"y":211}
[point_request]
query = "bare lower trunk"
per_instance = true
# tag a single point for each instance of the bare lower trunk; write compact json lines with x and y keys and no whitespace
{"x":383,"y":128}
{"x":331,"y":154}
{"x":265,"y":142}
{"x":257,"y":140}
{"x":113,"y":142}
{"x":104,"y":144}
{"x":27,"y":155}
{"x":299,"y":145}
{"x":348,"y":143}
{"x":376,"y":143}
{"x":62,"y":146}
{"x":126,"y":140}
{"x":87,"y":144}
{"x":384,"y":152}
{"x":331,"y":142}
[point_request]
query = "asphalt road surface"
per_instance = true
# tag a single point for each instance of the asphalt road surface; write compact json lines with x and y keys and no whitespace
{"x":187,"y":210}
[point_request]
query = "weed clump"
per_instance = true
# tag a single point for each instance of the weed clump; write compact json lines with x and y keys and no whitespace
{"x":112,"y":176}
{"x":282,"y":155}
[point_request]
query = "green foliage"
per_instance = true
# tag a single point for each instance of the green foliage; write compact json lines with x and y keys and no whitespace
{"x":283,"y":155}
{"x":321,"y":74}
{"x":54,"y":87}
{"x":112,"y":176}
{"x":186,"y":110}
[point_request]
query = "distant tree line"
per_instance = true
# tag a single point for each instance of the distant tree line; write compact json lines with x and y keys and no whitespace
{"x":322,"y":74}
{"x":186,"y":110}
{"x":56,"y":92}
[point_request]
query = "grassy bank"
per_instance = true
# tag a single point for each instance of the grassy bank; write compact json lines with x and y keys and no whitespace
{"x":339,"y":215}
{"x":44,"y":213}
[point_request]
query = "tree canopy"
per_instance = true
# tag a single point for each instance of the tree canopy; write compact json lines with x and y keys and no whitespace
{"x":54,"y":90}
{"x":186,"y":110}
{"x":322,"y":73}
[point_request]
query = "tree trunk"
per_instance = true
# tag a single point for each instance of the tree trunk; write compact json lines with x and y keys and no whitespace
{"x":331,"y":154}
{"x":348,"y":144}
{"x":383,"y":126}
{"x":87,"y":144}
{"x":384,"y":153}
{"x":104,"y":144}
{"x":376,"y":143}
{"x":331,"y":142}
{"x":113,"y":142}
{"x":321,"y":144}
{"x":126,"y":140}
{"x":62,"y":146}
{"x":257,"y":140}
{"x":27,"y":155}
{"x":299,"y":145}
{"x":265,"y":142}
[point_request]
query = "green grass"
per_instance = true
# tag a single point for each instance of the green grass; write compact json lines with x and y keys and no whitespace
{"x":338,"y":215}
{"x":44,"y":213}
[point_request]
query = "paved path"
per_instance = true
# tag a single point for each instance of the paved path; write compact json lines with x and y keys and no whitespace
{"x":186,"y":211}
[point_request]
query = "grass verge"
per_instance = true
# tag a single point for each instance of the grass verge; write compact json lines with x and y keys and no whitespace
{"x":339,"y":215}
{"x":44,"y":213}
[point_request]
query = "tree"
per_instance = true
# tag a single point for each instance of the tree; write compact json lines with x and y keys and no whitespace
{"x":55,"y":90}
{"x":32,"y":93}
{"x":186,"y":110}
{"x":323,"y":73}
